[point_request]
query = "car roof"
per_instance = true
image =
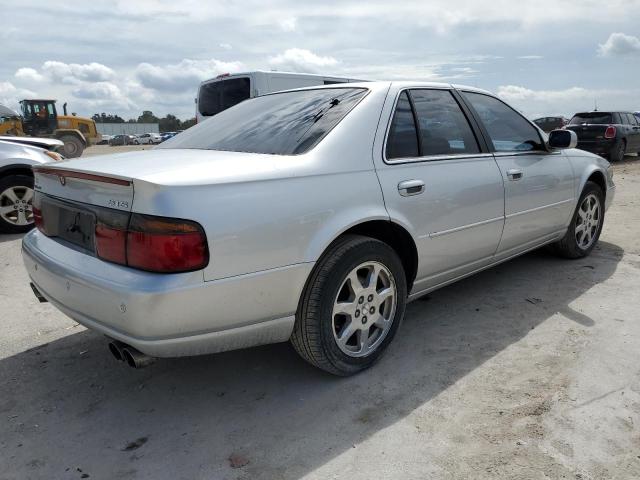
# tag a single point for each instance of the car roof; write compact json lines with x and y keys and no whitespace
{"x":377,"y":85}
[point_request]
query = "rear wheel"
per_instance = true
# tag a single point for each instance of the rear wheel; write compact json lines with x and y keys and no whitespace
{"x":16,"y":212}
{"x":618,"y":151}
{"x":73,"y":146}
{"x":586,"y":224}
{"x":352,"y":306}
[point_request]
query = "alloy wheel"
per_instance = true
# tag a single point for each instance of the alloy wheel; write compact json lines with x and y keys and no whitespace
{"x":588,"y":221}
{"x":15,"y":205}
{"x":364,"y":309}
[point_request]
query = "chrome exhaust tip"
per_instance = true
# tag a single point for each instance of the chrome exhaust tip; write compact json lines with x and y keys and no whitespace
{"x":115,"y":347}
{"x":135,"y":358}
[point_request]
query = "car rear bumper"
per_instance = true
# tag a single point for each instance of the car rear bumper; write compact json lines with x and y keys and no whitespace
{"x":165,"y":315}
{"x":599,"y":147}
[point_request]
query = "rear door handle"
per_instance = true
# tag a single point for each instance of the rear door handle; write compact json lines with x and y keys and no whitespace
{"x":514,"y":174}
{"x":411,"y":187}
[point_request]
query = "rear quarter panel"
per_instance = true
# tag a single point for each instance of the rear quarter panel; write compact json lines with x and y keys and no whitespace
{"x":293,"y":211}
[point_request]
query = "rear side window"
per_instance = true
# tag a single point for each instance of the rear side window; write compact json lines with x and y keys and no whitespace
{"x":443,"y":128}
{"x":215,"y":97}
{"x":507,"y":129}
{"x":594,"y":118}
{"x":403,"y":136}
{"x":287,"y":123}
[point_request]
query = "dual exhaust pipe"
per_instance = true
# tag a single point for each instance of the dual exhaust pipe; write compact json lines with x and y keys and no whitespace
{"x":126,"y":353}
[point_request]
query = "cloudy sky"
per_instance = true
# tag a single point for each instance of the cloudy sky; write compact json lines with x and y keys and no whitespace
{"x":545,"y":57}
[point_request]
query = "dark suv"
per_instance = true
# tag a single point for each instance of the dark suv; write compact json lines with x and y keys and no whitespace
{"x":548,"y":124}
{"x":610,"y":134}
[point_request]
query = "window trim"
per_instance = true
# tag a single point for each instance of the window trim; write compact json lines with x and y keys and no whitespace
{"x":487,"y":137}
{"x":484,"y":152}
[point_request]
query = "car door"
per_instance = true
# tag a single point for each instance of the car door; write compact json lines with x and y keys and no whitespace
{"x":539,"y":184}
{"x":440,"y":182}
{"x":633,"y":135}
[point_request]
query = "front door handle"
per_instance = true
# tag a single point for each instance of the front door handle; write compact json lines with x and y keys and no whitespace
{"x":411,"y":187}
{"x":514,"y":174}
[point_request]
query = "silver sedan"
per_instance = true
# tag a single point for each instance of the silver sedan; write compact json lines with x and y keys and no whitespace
{"x":310,"y":215}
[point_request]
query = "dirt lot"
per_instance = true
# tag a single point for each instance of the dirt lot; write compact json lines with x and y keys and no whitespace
{"x":527,"y":371}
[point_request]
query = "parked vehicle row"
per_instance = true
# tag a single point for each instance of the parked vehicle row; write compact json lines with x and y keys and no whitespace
{"x":320,"y":213}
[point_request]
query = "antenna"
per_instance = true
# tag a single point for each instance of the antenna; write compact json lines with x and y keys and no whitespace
{"x":595,"y":103}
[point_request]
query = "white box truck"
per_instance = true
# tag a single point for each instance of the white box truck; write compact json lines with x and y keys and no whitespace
{"x":226,"y":90}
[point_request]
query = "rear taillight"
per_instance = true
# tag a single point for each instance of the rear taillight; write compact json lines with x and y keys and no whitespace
{"x":165,"y":245}
{"x":610,"y":132}
{"x":37,"y":218}
{"x":154,"y":244}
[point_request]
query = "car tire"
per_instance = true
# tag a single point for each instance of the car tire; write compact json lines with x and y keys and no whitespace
{"x":11,"y":221}
{"x":589,"y":219}
{"x":344,"y":327}
{"x":618,"y":151}
{"x":73,"y":146}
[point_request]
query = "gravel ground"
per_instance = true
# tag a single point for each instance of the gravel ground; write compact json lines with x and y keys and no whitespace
{"x":528,"y":370}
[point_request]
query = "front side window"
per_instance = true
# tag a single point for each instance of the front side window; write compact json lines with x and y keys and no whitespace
{"x":443,"y":127}
{"x":507,"y":129}
{"x":287,"y":123}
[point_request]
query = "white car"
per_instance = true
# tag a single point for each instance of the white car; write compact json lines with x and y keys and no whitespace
{"x":17,"y":156}
{"x":149,"y":138}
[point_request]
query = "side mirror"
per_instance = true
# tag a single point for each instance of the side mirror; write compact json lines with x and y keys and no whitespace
{"x":563,"y":139}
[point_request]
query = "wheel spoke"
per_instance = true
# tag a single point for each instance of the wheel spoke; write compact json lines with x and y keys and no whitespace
{"x":384,"y":294}
{"x":22,"y":218}
{"x":344,"y":308}
{"x":581,"y":213}
{"x":372,"y":279}
{"x":11,"y":195}
{"x":363,"y":339}
{"x":579,"y":228}
{"x":6,"y":210}
{"x":355,"y":283}
{"x":346,"y":333}
{"x":28,"y":195}
{"x":381,"y":322}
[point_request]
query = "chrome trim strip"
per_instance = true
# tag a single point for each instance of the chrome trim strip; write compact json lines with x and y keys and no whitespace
{"x":531,"y":210}
{"x":464,"y":227}
{"x":438,"y":158}
{"x":415,"y":295}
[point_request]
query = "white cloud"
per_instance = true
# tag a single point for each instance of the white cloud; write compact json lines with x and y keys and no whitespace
{"x":301,"y":60}
{"x":619,"y":44}
{"x":183,"y":76}
{"x":29,"y":75}
{"x":72,"y":73}
{"x":10,"y":95}
{"x":226,"y":46}
{"x":288,"y":24}
{"x":530,"y":57}
{"x":536,"y":103}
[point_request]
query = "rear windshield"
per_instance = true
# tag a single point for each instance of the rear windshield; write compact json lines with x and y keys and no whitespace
{"x":596,"y":118}
{"x":287,"y":123}
{"x":217,"y":96}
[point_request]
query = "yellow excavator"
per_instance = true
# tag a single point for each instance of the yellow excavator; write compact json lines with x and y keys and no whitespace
{"x":40,"y":119}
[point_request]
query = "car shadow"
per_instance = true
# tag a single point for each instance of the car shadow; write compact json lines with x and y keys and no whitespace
{"x":70,"y":405}
{"x":9,"y":237}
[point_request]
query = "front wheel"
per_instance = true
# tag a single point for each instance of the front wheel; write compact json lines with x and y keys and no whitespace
{"x":351,"y":307}
{"x":586,"y":224}
{"x":16,"y":211}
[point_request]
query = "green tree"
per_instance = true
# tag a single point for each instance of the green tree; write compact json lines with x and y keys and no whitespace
{"x":148,"y":117}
